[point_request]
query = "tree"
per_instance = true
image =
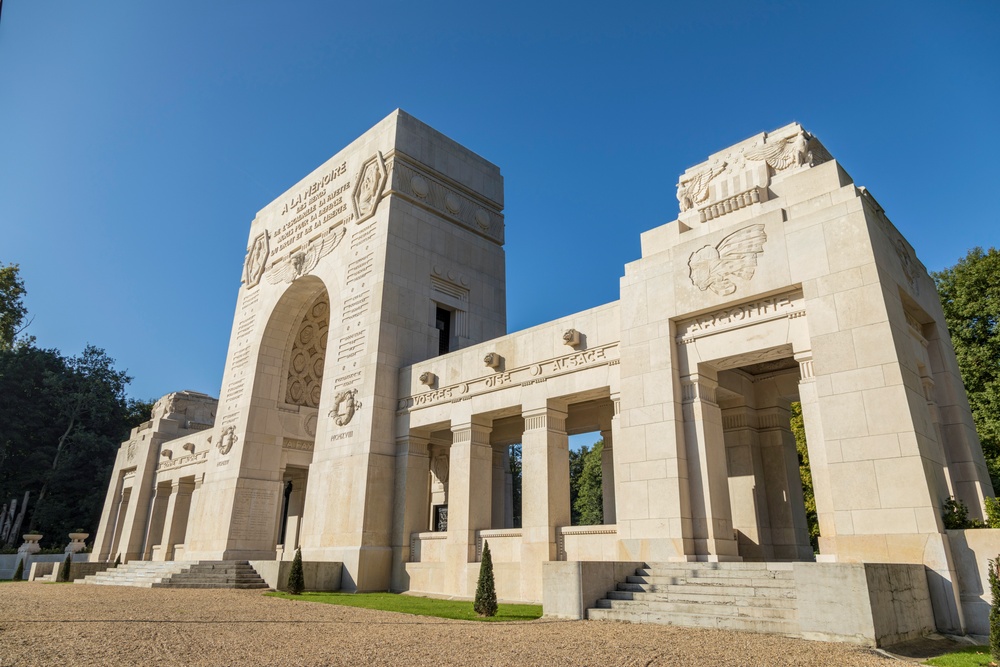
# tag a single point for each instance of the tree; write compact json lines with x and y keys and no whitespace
{"x":805,"y":474}
{"x":12,"y":310}
{"x":296,"y":578}
{"x":515,"y":474}
{"x":486,"y":592}
{"x":585,"y":485}
{"x":994,"y":577}
{"x":64,"y":571}
{"x":970,"y":298}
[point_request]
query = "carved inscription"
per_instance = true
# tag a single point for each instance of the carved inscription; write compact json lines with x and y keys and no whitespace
{"x":253,"y":511}
{"x":363,"y":236}
{"x":250,"y":300}
{"x":584,"y":358}
{"x":355,"y":306}
{"x":312,"y":207}
{"x":351,"y":345}
{"x":359,"y":268}
{"x":298,"y":445}
{"x":740,"y":315}
{"x":346,"y":380}
{"x":241,"y":358}
{"x":245,"y":326}
{"x":341,"y":436}
{"x":234,"y":390}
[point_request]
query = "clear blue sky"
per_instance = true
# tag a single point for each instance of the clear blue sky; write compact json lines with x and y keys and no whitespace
{"x":138,"y":139}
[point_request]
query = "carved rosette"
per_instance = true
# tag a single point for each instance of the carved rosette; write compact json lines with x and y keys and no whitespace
{"x":304,"y":380}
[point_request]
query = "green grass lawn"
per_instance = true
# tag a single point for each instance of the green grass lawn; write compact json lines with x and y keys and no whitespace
{"x":968,"y":656}
{"x":409,"y":604}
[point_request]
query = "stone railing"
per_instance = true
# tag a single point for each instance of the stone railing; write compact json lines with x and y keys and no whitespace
{"x":587,"y":542}
{"x":505,"y":544}
{"x":428,"y":547}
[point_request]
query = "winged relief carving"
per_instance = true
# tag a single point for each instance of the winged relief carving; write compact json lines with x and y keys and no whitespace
{"x":788,"y":152}
{"x":712,"y":267}
{"x":693,"y":190}
{"x":304,"y":261}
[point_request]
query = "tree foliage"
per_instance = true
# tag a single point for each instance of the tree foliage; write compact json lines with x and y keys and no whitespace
{"x":970,"y":298}
{"x":586,"y":494}
{"x":296,"y":577}
{"x":12,"y":309}
{"x":514,"y":458}
{"x":805,"y":474}
{"x":62,"y":420}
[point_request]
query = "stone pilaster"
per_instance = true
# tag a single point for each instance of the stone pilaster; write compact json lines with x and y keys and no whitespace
{"x":470,"y":481}
{"x":411,"y":501}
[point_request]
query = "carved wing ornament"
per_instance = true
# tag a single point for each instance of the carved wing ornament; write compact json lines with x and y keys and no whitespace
{"x":694,"y":190}
{"x":783,"y":153}
{"x":304,"y":261}
{"x":713,"y":267}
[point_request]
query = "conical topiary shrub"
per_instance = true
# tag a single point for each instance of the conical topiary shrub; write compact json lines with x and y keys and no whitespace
{"x":486,"y":592}
{"x":67,"y":564}
{"x":19,"y":572}
{"x":296,"y":580}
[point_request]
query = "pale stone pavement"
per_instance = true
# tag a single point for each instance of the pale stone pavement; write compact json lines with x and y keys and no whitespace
{"x":64,"y":624}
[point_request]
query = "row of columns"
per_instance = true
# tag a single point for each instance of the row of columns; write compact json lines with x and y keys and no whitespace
{"x":473,"y":502}
{"x":168,"y":519}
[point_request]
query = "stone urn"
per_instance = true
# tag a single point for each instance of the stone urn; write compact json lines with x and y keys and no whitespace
{"x":30,"y":545}
{"x":76,"y":543}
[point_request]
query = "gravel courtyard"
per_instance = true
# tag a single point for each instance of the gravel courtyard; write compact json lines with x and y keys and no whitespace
{"x":66,"y":624}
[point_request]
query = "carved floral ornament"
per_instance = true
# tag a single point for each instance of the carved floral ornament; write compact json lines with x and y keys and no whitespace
{"x":345,"y":404}
{"x":227,"y":440}
{"x":713,"y":267}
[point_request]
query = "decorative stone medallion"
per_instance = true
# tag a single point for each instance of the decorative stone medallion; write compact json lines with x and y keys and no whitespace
{"x":345,"y":404}
{"x":368,"y":190}
{"x":253,"y":267}
{"x":227,"y":440}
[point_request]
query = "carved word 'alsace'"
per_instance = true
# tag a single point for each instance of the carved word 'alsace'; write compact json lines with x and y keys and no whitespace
{"x":578,"y":359}
{"x":712,"y":267}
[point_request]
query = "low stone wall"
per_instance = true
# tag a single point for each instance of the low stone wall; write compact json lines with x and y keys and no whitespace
{"x":8,"y":562}
{"x":569,"y":588}
{"x":319,"y":576}
{"x":972,"y":550}
{"x":49,"y":570}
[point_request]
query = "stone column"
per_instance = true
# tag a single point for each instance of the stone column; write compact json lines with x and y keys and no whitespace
{"x":711,"y":512}
{"x":818,"y":460}
{"x":470,"y":495}
{"x":544,"y":491}
{"x":155,"y":529}
{"x":747,"y":488}
{"x":608,"y":474}
{"x":178,"y":507}
{"x":783,"y":485}
{"x":120,"y":524}
{"x":411,"y":507}
{"x":105,"y":549}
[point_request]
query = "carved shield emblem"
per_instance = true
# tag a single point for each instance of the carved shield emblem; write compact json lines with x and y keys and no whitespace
{"x":253,"y":267}
{"x":368,"y":188}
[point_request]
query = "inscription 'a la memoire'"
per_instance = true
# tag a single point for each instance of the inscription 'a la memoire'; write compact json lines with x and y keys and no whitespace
{"x":301,"y":198}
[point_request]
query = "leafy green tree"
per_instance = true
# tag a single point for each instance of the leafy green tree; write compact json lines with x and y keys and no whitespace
{"x":970,"y":298}
{"x":805,"y":474}
{"x":994,"y":577}
{"x":12,"y":309}
{"x":296,"y":578}
{"x":588,"y":505}
{"x":486,"y":592}
{"x":515,"y":472}
{"x":66,"y":566}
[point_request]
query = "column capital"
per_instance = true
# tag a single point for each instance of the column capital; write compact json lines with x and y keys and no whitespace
{"x":550,"y":417}
{"x":805,"y":359}
{"x":698,"y":387}
{"x":413,"y":444}
{"x":477,"y":431}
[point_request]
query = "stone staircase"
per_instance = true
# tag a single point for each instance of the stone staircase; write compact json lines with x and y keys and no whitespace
{"x":180,"y":574}
{"x":750,"y":597}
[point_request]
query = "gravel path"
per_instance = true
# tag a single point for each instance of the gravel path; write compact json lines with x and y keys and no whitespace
{"x":64,"y":624}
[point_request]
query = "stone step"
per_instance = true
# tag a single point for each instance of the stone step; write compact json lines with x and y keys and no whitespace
{"x":722,"y":567}
{"x":689,"y":573}
{"x":706,"y":599}
{"x":698,"y":608}
{"x":742,"y":624}
{"x":753,"y":582}
{"x":708,"y":589}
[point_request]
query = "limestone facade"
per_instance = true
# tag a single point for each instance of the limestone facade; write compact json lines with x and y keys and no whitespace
{"x":371,"y":391}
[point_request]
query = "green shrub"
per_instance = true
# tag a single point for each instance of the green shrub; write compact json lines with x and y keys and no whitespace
{"x":486,"y":592}
{"x":19,"y":572}
{"x":296,"y":579}
{"x":994,"y":576}
{"x":992,"y":512}
{"x":67,"y":564}
{"x":955,"y":515}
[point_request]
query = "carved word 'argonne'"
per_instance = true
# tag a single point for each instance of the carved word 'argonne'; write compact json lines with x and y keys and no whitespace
{"x":742,"y":313}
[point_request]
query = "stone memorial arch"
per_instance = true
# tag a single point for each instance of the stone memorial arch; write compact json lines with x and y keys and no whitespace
{"x":371,"y":392}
